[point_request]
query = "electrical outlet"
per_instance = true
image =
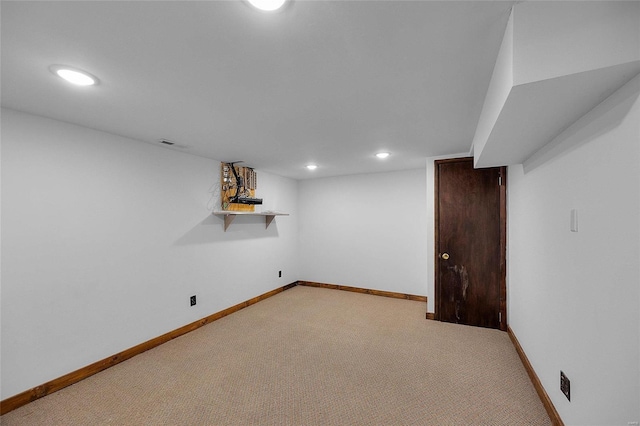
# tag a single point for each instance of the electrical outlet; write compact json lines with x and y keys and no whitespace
{"x":279,"y":274}
{"x":192,"y":300}
{"x":565,"y":385}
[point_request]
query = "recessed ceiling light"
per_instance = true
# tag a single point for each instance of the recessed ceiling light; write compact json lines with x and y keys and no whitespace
{"x":74,"y":75}
{"x":267,"y":5}
{"x":312,"y":166}
{"x":382,"y":154}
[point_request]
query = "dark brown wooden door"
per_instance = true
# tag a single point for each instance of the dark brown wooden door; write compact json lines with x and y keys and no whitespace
{"x":470,"y":244}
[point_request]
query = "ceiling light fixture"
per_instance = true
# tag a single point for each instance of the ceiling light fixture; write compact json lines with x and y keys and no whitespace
{"x":312,"y":166}
{"x":267,"y":5}
{"x":74,"y":75}
{"x":382,"y":155}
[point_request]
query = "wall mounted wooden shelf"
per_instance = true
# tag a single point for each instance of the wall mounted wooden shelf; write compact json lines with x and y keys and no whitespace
{"x":229,"y":216}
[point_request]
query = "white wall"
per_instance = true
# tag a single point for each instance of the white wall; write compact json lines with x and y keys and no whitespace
{"x":574,"y":298}
{"x":105,"y":238}
{"x":497,"y":94}
{"x":557,"y":38}
{"x":367,"y":230}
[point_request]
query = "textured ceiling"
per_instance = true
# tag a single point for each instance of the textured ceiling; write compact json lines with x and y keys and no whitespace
{"x":329,"y":82}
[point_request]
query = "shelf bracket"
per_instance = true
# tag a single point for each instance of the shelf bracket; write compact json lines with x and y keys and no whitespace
{"x":268,"y":219}
{"x":228,"y":218}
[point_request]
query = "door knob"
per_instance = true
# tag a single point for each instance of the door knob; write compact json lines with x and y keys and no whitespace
{"x":444,"y":256}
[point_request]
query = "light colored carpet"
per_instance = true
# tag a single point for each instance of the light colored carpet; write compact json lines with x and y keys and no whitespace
{"x":309,"y":356}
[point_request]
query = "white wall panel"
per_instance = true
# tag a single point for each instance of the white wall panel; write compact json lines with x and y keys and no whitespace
{"x":573,"y":297}
{"x":366,"y":230}
{"x":105,"y":238}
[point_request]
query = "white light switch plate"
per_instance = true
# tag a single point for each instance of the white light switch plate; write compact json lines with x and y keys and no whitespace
{"x":574,"y":220}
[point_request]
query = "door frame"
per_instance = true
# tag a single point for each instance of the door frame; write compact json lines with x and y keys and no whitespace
{"x":503,"y":239}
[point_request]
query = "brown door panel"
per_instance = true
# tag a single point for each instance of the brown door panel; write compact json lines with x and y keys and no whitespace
{"x":468,"y":244}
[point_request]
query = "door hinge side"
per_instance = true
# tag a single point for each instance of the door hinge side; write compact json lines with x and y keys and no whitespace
{"x":500,"y":317}
{"x":499,"y":180}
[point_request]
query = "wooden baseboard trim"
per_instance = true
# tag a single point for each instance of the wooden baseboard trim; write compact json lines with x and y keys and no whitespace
{"x":54,"y":385}
{"x":537,"y":384}
{"x":431,"y":316}
{"x":365,"y":291}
